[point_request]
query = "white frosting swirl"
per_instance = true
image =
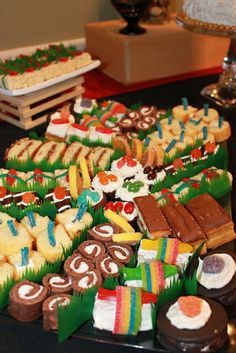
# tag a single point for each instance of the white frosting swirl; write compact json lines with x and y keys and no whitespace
{"x":25,"y":290}
{"x":217,"y":280}
{"x":126,"y":195}
{"x":181,"y":321}
{"x":126,"y":171}
{"x":111,"y":186}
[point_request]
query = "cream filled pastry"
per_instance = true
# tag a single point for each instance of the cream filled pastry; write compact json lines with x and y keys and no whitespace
{"x":103,"y":232}
{"x":108,"y":266}
{"x":87,"y":280}
{"x":91,"y":249}
{"x":57,"y":283}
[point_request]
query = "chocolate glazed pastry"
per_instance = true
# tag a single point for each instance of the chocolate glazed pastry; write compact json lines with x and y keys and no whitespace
{"x":57,"y":284}
{"x":25,"y":301}
{"x":92,"y":249}
{"x":50,"y":305}
{"x":88,"y":280}
{"x":76,"y":265}
{"x":108,"y":266}
{"x":225,"y":295}
{"x":206,"y":339}
{"x":103,"y":232}
{"x":121,"y":253}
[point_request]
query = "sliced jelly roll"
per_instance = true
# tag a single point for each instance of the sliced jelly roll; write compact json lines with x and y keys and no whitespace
{"x":167,"y":250}
{"x":122,"y":253}
{"x":76,"y":265}
{"x":50,"y":310}
{"x":89,"y":279}
{"x":25,"y":301}
{"x":125,"y":310}
{"x":34,"y":223}
{"x":13,"y":237}
{"x":152,"y":276}
{"x":75,"y":220}
{"x":57,"y":284}
{"x":26,"y":261}
{"x":92,"y":249}
{"x":108,"y":266}
{"x":52,"y":242}
{"x":103,"y":232}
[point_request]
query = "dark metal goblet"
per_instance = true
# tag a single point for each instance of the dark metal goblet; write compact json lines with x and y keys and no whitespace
{"x":132,"y":11}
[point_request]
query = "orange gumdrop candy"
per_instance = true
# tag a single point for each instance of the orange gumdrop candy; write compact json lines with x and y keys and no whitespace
{"x":59,"y":192}
{"x":112,"y":177}
{"x":190,"y":305}
{"x":103,"y":178}
{"x":210,"y":147}
{"x":28,"y":197}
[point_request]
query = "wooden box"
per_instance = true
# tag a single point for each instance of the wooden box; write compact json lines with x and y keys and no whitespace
{"x":163,"y":51}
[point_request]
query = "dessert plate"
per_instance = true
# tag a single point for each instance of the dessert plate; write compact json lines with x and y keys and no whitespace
{"x":19,"y":92}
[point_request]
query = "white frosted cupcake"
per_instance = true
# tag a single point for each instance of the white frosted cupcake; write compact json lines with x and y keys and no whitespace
{"x":126,"y":166}
{"x":84,"y":105}
{"x":151,"y":175}
{"x":131,"y":189}
{"x":108,"y":182}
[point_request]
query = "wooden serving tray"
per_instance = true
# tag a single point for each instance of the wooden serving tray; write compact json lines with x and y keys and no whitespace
{"x":30,"y":110}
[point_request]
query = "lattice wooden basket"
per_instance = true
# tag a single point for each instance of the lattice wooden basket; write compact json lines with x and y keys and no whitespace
{"x":30,"y":110}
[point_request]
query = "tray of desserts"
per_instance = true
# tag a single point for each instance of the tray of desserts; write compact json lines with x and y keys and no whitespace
{"x":44,"y":68}
{"x":116,"y":227}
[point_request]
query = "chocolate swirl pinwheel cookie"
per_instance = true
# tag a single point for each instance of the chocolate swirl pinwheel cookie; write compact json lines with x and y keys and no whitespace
{"x":88,"y":280}
{"x":108,"y":266}
{"x":57,"y":283}
{"x":121,"y":253}
{"x":25,"y":301}
{"x":76,"y":265}
{"x":92,"y":249}
{"x":50,"y":307}
{"x":103,"y":232}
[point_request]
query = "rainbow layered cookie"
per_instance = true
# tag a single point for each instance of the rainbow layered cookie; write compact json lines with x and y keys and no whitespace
{"x":168,"y":250}
{"x":192,"y":324}
{"x":124,"y":311}
{"x":152,"y":276}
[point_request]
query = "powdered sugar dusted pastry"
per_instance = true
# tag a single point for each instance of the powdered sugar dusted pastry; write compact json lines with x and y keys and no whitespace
{"x":25,"y":301}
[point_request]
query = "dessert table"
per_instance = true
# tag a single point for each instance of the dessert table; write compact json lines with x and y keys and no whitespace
{"x":29,"y":337}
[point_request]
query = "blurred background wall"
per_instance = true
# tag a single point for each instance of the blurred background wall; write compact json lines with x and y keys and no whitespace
{"x":30,"y":22}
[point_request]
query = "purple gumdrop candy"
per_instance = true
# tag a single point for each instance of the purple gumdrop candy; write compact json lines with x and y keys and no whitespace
{"x":213,"y":264}
{"x":86,"y":103}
